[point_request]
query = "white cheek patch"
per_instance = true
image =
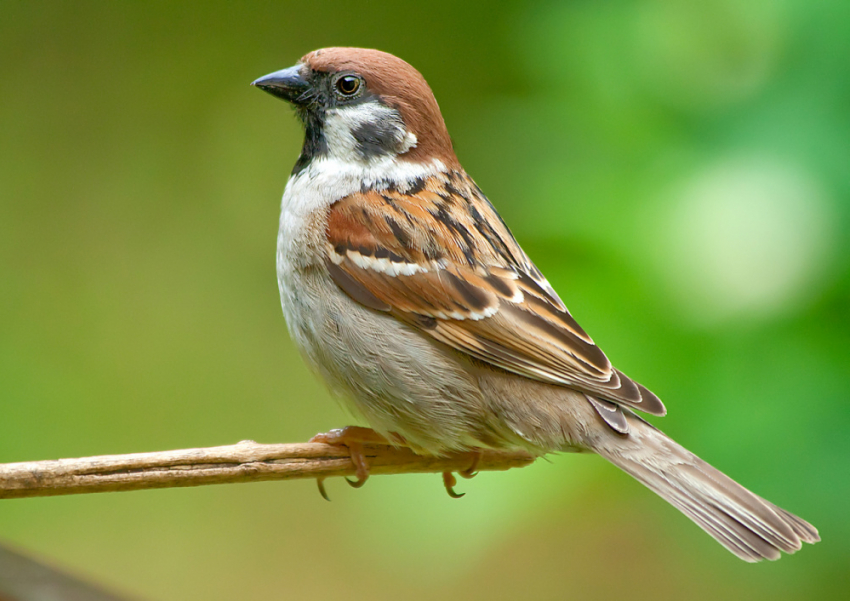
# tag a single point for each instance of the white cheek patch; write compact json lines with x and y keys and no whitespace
{"x":338,"y":127}
{"x":409,"y":142}
{"x":362,"y":133}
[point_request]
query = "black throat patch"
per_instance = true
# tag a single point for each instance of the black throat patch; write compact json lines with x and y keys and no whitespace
{"x":315,"y":143}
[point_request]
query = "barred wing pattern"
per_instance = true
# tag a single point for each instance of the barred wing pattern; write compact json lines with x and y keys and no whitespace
{"x":437,"y":256}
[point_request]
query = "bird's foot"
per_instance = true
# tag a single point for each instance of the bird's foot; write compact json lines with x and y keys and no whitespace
{"x":352,"y":437}
{"x":449,"y":480}
{"x":470,"y":471}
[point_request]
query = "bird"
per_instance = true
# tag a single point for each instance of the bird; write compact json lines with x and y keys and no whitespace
{"x":406,"y":292}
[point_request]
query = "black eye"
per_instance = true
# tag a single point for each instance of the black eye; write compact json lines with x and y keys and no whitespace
{"x":348,"y":85}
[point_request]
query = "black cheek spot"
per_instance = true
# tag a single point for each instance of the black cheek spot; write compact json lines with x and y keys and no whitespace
{"x":375,"y":139}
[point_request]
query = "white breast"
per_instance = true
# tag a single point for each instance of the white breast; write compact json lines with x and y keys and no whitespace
{"x":303,"y":218}
{"x":397,"y":379}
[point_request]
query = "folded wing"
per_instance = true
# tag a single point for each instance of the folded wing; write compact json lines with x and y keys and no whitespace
{"x":436,"y":255}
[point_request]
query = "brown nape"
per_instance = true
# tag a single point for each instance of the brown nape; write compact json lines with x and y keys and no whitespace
{"x":400,"y":86}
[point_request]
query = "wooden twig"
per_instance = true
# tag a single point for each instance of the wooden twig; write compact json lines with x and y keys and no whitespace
{"x":246,"y":461}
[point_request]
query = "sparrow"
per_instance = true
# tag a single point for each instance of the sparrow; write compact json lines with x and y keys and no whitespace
{"x":406,"y":291}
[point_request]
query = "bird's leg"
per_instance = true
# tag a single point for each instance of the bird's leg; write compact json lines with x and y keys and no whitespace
{"x":353,"y":437}
{"x":449,"y":480}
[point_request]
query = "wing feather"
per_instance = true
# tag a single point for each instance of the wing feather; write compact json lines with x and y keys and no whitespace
{"x":437,"y":256}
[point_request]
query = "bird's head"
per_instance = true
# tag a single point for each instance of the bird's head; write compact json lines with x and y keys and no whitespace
{"x":363,"y":106}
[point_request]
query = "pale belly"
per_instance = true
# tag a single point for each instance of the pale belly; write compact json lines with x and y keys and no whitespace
{"x":398,"y":380}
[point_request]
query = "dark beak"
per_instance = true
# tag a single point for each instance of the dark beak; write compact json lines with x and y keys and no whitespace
{"x":287,"y":84}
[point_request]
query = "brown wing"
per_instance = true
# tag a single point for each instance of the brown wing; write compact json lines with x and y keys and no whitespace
{"x":437,"y":256}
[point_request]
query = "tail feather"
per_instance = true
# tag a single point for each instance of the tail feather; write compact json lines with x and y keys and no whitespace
{"x":804,"y":530}
{"x":747,"y":525}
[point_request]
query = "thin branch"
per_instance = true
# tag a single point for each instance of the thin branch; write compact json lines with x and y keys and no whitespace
{"x":246,"y":461}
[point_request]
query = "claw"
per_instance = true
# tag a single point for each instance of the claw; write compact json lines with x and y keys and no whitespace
{"x":356,"y":483}
{"x":361,"y":468}
{"x":449,"y":481}
{"x":470,"y":471}
{"x":322,"y":491}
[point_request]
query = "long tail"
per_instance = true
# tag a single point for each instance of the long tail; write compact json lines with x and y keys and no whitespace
{"x":749,"y":526}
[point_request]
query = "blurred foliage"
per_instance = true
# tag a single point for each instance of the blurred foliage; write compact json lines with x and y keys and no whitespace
{"x":680,"y":170}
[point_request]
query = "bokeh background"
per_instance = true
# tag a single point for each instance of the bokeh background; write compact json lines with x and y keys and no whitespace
{"x":680,"y":171}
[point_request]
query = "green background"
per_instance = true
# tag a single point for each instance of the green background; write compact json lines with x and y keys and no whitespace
{"x":679,"y":170}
